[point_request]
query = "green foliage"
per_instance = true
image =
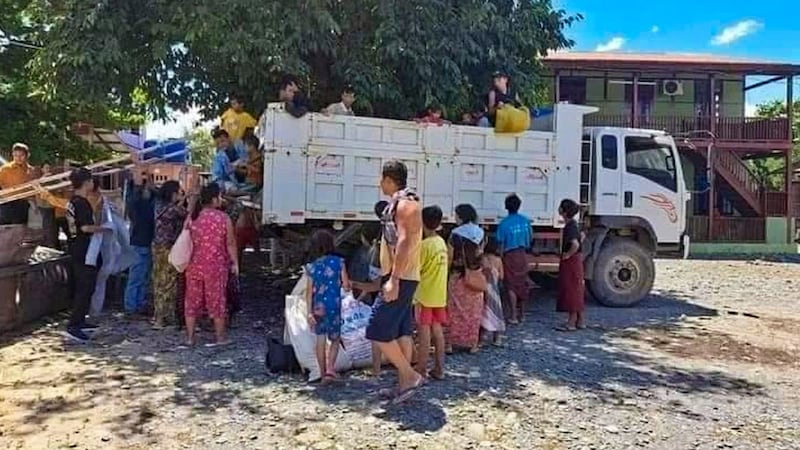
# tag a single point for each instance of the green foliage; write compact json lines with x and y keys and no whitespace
{"x":201,"y":146}
{"x":155,"y":55}
{"x":27,"y":113}
{"x":772,"y":170}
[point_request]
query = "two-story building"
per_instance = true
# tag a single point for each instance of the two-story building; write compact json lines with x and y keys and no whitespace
{"x":699,"y":99}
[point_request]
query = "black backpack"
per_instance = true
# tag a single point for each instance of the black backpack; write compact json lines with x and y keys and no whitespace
{"x":280,"y":358}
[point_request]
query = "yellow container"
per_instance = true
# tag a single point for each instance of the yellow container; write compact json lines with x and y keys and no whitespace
{"x":512,"y":120}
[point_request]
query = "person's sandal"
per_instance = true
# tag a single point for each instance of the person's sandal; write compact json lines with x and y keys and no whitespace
{"x":408,"y":393}
{"x":566,"y":328}
{"x":388,"y":393}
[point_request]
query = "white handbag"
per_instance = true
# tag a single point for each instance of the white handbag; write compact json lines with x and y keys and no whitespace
{"x":181,"y":252}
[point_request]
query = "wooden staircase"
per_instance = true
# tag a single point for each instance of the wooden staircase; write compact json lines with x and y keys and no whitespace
{"x":741,"y":179}
{"x":734,"y":173}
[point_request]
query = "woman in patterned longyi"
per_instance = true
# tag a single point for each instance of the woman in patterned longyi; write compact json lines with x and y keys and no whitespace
{"x":170,"y":216}
{"x":213,"y":257}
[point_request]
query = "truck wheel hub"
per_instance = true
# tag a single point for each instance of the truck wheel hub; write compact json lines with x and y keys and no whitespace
{"x":624,"y":274}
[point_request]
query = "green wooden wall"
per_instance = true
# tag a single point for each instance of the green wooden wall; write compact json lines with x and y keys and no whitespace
{"x":611,"y":98}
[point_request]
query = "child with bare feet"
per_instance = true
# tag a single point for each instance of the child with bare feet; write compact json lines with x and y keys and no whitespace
{"x":431,"y":296}
{"x":327,"y":276}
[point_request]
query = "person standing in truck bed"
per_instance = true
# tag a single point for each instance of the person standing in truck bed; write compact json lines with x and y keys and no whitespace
{"x":295,"y":102}
{"x":235,"y":120}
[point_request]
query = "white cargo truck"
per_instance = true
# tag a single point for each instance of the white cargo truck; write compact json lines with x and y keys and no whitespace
{"x":324,"y":171}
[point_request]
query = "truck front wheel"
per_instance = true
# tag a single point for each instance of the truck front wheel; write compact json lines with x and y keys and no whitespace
{"x":624,"y":273}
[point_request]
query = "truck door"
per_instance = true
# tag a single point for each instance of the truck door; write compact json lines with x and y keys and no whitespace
{"x":607,"y":188}
{"x":653,"y":185}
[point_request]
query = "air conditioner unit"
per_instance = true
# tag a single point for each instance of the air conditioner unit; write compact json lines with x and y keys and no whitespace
{"x":672,"y":88}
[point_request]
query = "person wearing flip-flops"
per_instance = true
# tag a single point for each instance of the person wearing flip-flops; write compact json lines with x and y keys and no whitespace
{"x":401,"y":243}
{"x":327,"y":275}
{"x":570,"y":271}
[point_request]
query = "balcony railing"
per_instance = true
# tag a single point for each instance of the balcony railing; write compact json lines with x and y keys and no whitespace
{"x":727,"y":229}
{"x":775,"y":203}
{"x":725,"y":128}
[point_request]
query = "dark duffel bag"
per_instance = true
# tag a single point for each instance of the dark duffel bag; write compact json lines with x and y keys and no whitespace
{"x":280,"y":358}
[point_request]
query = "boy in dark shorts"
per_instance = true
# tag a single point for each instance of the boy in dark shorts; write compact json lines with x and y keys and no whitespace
{"x":401,"y":243}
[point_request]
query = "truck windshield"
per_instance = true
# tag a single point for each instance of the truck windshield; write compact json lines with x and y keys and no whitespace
{"x":652,"y":160}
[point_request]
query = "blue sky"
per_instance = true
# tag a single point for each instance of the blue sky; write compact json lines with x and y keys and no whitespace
{"x":766,"y":30}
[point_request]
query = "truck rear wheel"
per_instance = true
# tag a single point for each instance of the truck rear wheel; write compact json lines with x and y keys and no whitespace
{"x":624,"y":273}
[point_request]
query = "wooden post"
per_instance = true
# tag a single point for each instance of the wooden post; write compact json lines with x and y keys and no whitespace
{"x":635,"y":99}
{"x":712,"y":103}
{"x":557,"y":88}
{"x":712,"y":192}
{"x":790,"y":117}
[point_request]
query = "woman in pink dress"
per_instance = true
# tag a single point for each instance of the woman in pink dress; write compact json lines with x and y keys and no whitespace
{"x":213,"y":257}
{"x":467,"y":283}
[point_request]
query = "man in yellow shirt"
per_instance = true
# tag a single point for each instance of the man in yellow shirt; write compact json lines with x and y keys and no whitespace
{"x":12,"y":174}
{"x":431,"y":295}
{"x":236,"y":120}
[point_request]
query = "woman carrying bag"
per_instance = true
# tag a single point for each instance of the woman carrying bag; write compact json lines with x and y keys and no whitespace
{"x":467,"y":283}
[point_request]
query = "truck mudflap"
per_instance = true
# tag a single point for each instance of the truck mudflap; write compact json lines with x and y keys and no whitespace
{"x":684,"y":245}
{"x":591,"y":248}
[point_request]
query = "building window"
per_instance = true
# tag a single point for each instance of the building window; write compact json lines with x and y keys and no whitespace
{"x":648,"y":159}
{"x":572,"y":90}
{"x":608,"y":152}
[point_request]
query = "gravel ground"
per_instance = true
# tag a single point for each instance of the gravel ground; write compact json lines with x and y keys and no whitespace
{"x":709,"y":361}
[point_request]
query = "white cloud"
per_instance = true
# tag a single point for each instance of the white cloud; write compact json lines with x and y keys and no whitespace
{"x":655,"y":29}
{"x":736,"y":31}
{"x":613,"y":44}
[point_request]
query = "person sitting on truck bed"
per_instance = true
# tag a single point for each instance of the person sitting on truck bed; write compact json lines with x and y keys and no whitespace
{"x":432,"y":115}
{"x":289,"y":93}
{"x":255,"y":162}
{"x":222,"y":171}
{"x":344,"y":107}
{"x":514,"y":236}
{"x":236,"y":153}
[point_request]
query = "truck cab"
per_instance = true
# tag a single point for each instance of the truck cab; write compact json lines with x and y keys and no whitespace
{"x":636,"y":207}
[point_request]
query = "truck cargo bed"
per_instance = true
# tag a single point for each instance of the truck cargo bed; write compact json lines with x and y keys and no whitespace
{"x":328,"y":168}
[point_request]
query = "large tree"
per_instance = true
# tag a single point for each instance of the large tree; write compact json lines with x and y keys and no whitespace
{"x":27,"y":113}
{"x":772,"y":170}
{"x":157,"y":55}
